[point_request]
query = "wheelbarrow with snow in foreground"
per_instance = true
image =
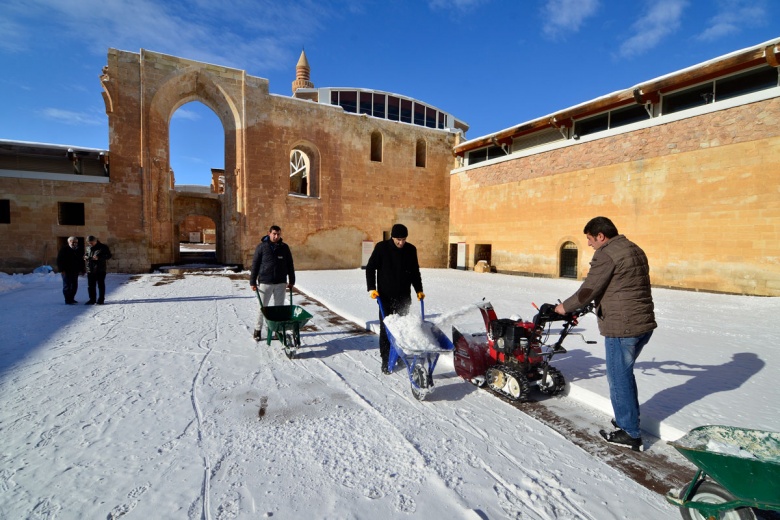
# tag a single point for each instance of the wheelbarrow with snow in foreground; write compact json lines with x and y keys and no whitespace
{"x":739,"y":469}
{"x":417,"y":344}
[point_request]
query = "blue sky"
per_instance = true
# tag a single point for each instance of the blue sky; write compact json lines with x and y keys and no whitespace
{"x":491,"y":63}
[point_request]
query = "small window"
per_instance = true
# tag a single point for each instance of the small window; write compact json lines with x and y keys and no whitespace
{"x":690,"y":98}
{"x":591,"y":125}
{"x":745,"y":83}
{"x":485,"y":154}
{"x":430,"y":117}
{"x":406,"y":111}
{"x":628,"y":115}
{"x":379,"y":105}
{"x":419,"y":114}
{"x":299,"y":172}
{"x":420,"y":154}
{"x":5,"y":211}
{"x":348,"y":101}
{"x":393,"y":108}
{"x":376,"y":146}
{"x":365,"y":102}
{"x":70,"y":213}
{"x":568,"y":260}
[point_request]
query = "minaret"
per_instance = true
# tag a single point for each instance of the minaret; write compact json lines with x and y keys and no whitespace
{"x":302,"y":72}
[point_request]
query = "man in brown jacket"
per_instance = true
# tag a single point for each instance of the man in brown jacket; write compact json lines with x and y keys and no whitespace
{"x":618,"y":282}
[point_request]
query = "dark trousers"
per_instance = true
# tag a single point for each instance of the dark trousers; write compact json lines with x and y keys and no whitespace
{"x":96,"y":280}
{"x":70,"y":284}
{"x":398,"y":305}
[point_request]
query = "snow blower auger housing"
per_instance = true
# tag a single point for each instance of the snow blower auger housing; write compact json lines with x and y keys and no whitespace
{"x":513,"y":355}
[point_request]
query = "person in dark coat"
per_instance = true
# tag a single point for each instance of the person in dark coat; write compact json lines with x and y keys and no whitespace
{"x":391,"y":271}
{"x":272,"y":272}
{"x":96,"y":255}
{"x":618,"y":282}
{"x":70,"y":265}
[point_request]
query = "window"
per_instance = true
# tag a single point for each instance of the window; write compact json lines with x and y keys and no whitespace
{"x":5,"y":211}
{"x":745,"y":83}
{"x":430,"y":117}
{"x":70,"y":213}
{"x":591,"y":125}
{"x":379,"y":105}
{"x":693,"y":97}
{"x":406,"y":111}
{"x":376,"y":146}
{"x":568,"y":260}
{"x":348,"y":101}
{"x":419,"y":114}
{"x":485,"y":154}
{"x":628,"y":115}
{"x":420,"y":153}
{"x":365,"y":102}
{"x":299,"y":172}
{"x":393,"y":108}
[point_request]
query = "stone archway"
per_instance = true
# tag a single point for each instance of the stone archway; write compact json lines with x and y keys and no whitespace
{"x":142,"y":92}
{"x":205,"y":204}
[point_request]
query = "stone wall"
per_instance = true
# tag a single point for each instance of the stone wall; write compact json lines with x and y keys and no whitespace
{"x":699,"y":195}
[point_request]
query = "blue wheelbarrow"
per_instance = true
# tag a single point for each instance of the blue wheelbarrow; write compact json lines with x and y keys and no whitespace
{"x":420,"y":353}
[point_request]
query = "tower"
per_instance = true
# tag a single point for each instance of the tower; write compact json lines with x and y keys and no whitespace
{"x":302,"y":72}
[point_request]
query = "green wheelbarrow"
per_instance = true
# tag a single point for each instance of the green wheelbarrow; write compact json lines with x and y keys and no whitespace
{"x":284,"y":323}
{"x":739,"y":469}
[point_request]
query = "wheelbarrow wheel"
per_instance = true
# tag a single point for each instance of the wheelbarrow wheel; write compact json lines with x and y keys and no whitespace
{"x":420,"y":382}
{"x":713,"y":493}
{"x":291,"y":344}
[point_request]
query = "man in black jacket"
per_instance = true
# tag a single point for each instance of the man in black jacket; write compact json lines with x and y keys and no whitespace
{"x":391,"y":271}
{"x":96,"y":255}
{"x":272,"y":272}
{"x":70,"y":265}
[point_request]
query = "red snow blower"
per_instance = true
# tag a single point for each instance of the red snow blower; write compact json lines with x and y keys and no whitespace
{"x":513,"y":355}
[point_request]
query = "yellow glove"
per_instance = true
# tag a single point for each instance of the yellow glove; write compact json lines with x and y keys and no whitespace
{"x":373,"y":294}
{"x":420,"y":295}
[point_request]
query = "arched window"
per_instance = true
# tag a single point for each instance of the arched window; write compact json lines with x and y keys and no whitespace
{"x":420,"y":153}
{"x":299,"y":172}
{"x":376,"y":146}
{"x":568,"y":260}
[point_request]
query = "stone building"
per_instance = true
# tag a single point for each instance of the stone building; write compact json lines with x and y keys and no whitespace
{"x":687,"y":165}
{"x":335,"y":168}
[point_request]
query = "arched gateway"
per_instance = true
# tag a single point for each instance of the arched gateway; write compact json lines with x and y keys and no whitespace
{"x":326,"y":223}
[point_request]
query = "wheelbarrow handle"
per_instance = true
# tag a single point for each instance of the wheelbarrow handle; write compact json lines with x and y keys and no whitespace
{"x":257,"y":292}
{"x":382,"y":309}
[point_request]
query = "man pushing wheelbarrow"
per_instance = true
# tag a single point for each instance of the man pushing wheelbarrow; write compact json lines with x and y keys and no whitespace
{"x":272,"y":273}
{"x":392,"y":270}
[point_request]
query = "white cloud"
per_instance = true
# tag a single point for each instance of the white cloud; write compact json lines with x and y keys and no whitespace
{"x":732,"y":17}
{"x":659,"y":21}
{"x":233,"y":33}
{"x":566,"y":16}
{"x":188,"y":115}
{"x":71,"y":118}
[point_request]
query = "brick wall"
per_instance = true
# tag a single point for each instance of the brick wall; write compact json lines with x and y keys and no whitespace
{"x":699,"y":195}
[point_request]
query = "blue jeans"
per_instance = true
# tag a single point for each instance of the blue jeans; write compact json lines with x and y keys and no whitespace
{"x":621,"y":355}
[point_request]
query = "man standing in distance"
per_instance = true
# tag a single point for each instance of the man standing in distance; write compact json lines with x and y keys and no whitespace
{"x":272,"y":272}
{"x":96,"y":255}
{"x":618,"y":282}
{"x":70,"y":265}
{"x":391,"y":271}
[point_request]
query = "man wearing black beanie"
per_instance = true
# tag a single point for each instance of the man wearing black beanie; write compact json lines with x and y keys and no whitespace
{"x":391,"y":271}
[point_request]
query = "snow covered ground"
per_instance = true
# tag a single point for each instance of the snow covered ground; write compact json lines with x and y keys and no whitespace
{"x":159,"y":405}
